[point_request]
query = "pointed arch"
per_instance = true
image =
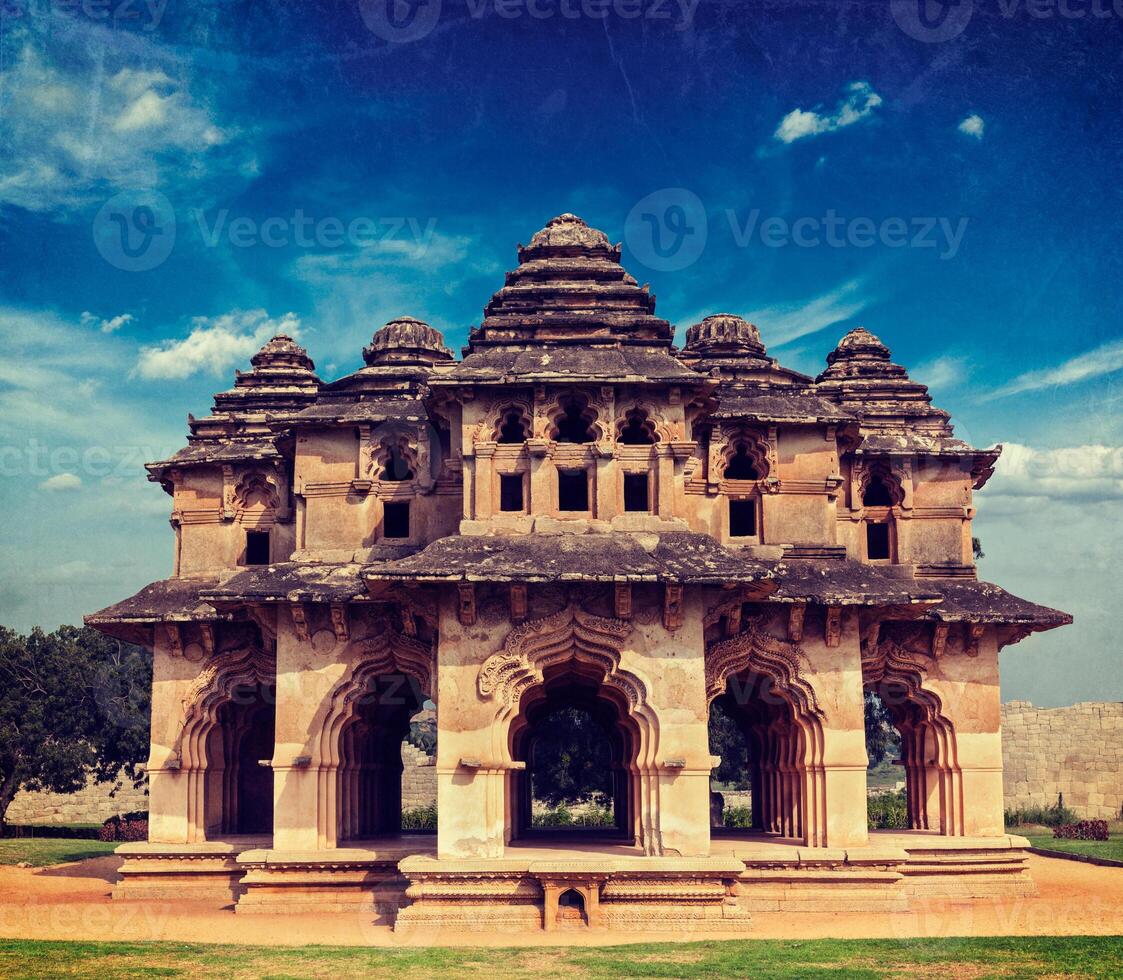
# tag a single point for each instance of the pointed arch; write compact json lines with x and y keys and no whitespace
{"x":541,"y":643}
{"x":256,"y":499}
{"x":895,"y":663}
{"x":765,"y":677}
{"x":405,"y":667}
{"x":560,"y":653}
{"x":206,"y":746}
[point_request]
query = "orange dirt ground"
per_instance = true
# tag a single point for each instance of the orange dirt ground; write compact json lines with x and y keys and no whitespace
{"x":71,"y":901}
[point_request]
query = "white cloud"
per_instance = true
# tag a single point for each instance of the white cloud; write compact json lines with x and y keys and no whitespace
{"x":215,"y":344}
{"x":942,"y":373}
{"x":1067,"y":474}
{"x":111,"y":325}
{"x":77,"y":121}
{"x":782,"y":323}
{"x":61,"y":482}
{"x":1105,"y":359}
{"x":859,"y":103}
{"x":973,"y":125}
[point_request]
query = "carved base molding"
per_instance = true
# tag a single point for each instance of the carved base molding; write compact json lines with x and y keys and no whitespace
{"x":653,"y":894}
{"x":345,"y":879}
{"x":420,"y":893}
{"x":207,"y":872}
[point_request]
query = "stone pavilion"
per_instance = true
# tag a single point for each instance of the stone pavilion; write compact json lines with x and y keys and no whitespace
{"x":574,"y":514}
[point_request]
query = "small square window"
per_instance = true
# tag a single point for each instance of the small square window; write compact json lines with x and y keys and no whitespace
{"x":742,"y":518}
{"x":511,"y":493}
{"x":635,"y":492}
{"x":395,"y":520}
{"x":257,"y":547}
{"x":573,"y":491}
{"x":877,"y":542}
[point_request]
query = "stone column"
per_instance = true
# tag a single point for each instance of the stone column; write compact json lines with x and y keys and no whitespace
{"x":169,"y":820}
{"x":966,"y":680}
{"x":665,"y":482}
{"x":484,"y":480}
{"x":471,"y":774}
{"x":838,"y":817}
{"x":673,"y":665}
{"x":307,"y":672}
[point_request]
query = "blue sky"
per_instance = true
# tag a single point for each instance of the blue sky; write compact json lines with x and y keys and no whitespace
{"x":312,"y":167}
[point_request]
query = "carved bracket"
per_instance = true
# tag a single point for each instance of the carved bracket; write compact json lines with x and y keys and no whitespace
{"x":466,"y":609}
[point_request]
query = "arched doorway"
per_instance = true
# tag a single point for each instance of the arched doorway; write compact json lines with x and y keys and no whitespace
{"x":238,"y":785}
{"x":926,"y":755}
{"x":775,"y":754}
{"x":369,"y":775}
{"x":579,"y":752}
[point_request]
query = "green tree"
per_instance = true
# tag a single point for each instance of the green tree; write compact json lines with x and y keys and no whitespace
{"x":74,"y":704}
{"x":572,"y":760}
{"x":727,"y":741}
{"x":882,"y":740}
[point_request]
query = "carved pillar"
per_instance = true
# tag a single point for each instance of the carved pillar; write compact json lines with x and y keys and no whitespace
{"x":665,"y":482}
{"x":484,"y":480}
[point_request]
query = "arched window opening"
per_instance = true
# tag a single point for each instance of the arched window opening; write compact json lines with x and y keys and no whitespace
{"x":637,"y":429}
{"x":391,"y":716}
{"x":571,"y":908}
{"x":742,"y":465}
{"x":396,"y":468}
{"x":512,"y":428}
{"x":578,"y":754}
{"x":238,"y":788}
{"x":877,"y":493}
{"x":574,"y":423}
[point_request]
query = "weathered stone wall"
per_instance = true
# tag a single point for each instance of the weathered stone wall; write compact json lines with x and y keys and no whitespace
{"x":1077,"y":751}
{"x":92,"y":804}
{"x":419,"y":778}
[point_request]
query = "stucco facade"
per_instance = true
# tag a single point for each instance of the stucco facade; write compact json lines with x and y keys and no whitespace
{"x":575,"y":513}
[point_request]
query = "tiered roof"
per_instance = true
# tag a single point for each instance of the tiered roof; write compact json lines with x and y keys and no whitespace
{"x":570,"y":311}
{"x":399,"y":359}
{"x":751,"y":385}
{"x":283,"y":379}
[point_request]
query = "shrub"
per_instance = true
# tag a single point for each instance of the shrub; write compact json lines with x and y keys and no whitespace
{"x":127,"y":827}
{"x":420,"y":818}
{"x":1046,"y":816}
{"x":1082,"y":830}
{"x":596,"y":817}
{"x":887,"y":811}
{"x":560,"y":816}
{"x":740,"y":817}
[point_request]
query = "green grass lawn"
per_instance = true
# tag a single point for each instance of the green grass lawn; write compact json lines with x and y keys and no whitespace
{"x":41,"y":851}
{"x":1111,"y":848}
{"x":1080,"y":956}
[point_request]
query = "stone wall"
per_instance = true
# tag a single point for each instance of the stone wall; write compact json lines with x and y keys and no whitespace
{"x":419,"y":778}
{"x":1077,"y":751}
{"x":93,"y":804}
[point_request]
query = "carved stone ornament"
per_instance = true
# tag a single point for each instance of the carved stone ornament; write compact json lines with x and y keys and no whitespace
{"x":757,"y":650}
{"x":541,"y":643}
